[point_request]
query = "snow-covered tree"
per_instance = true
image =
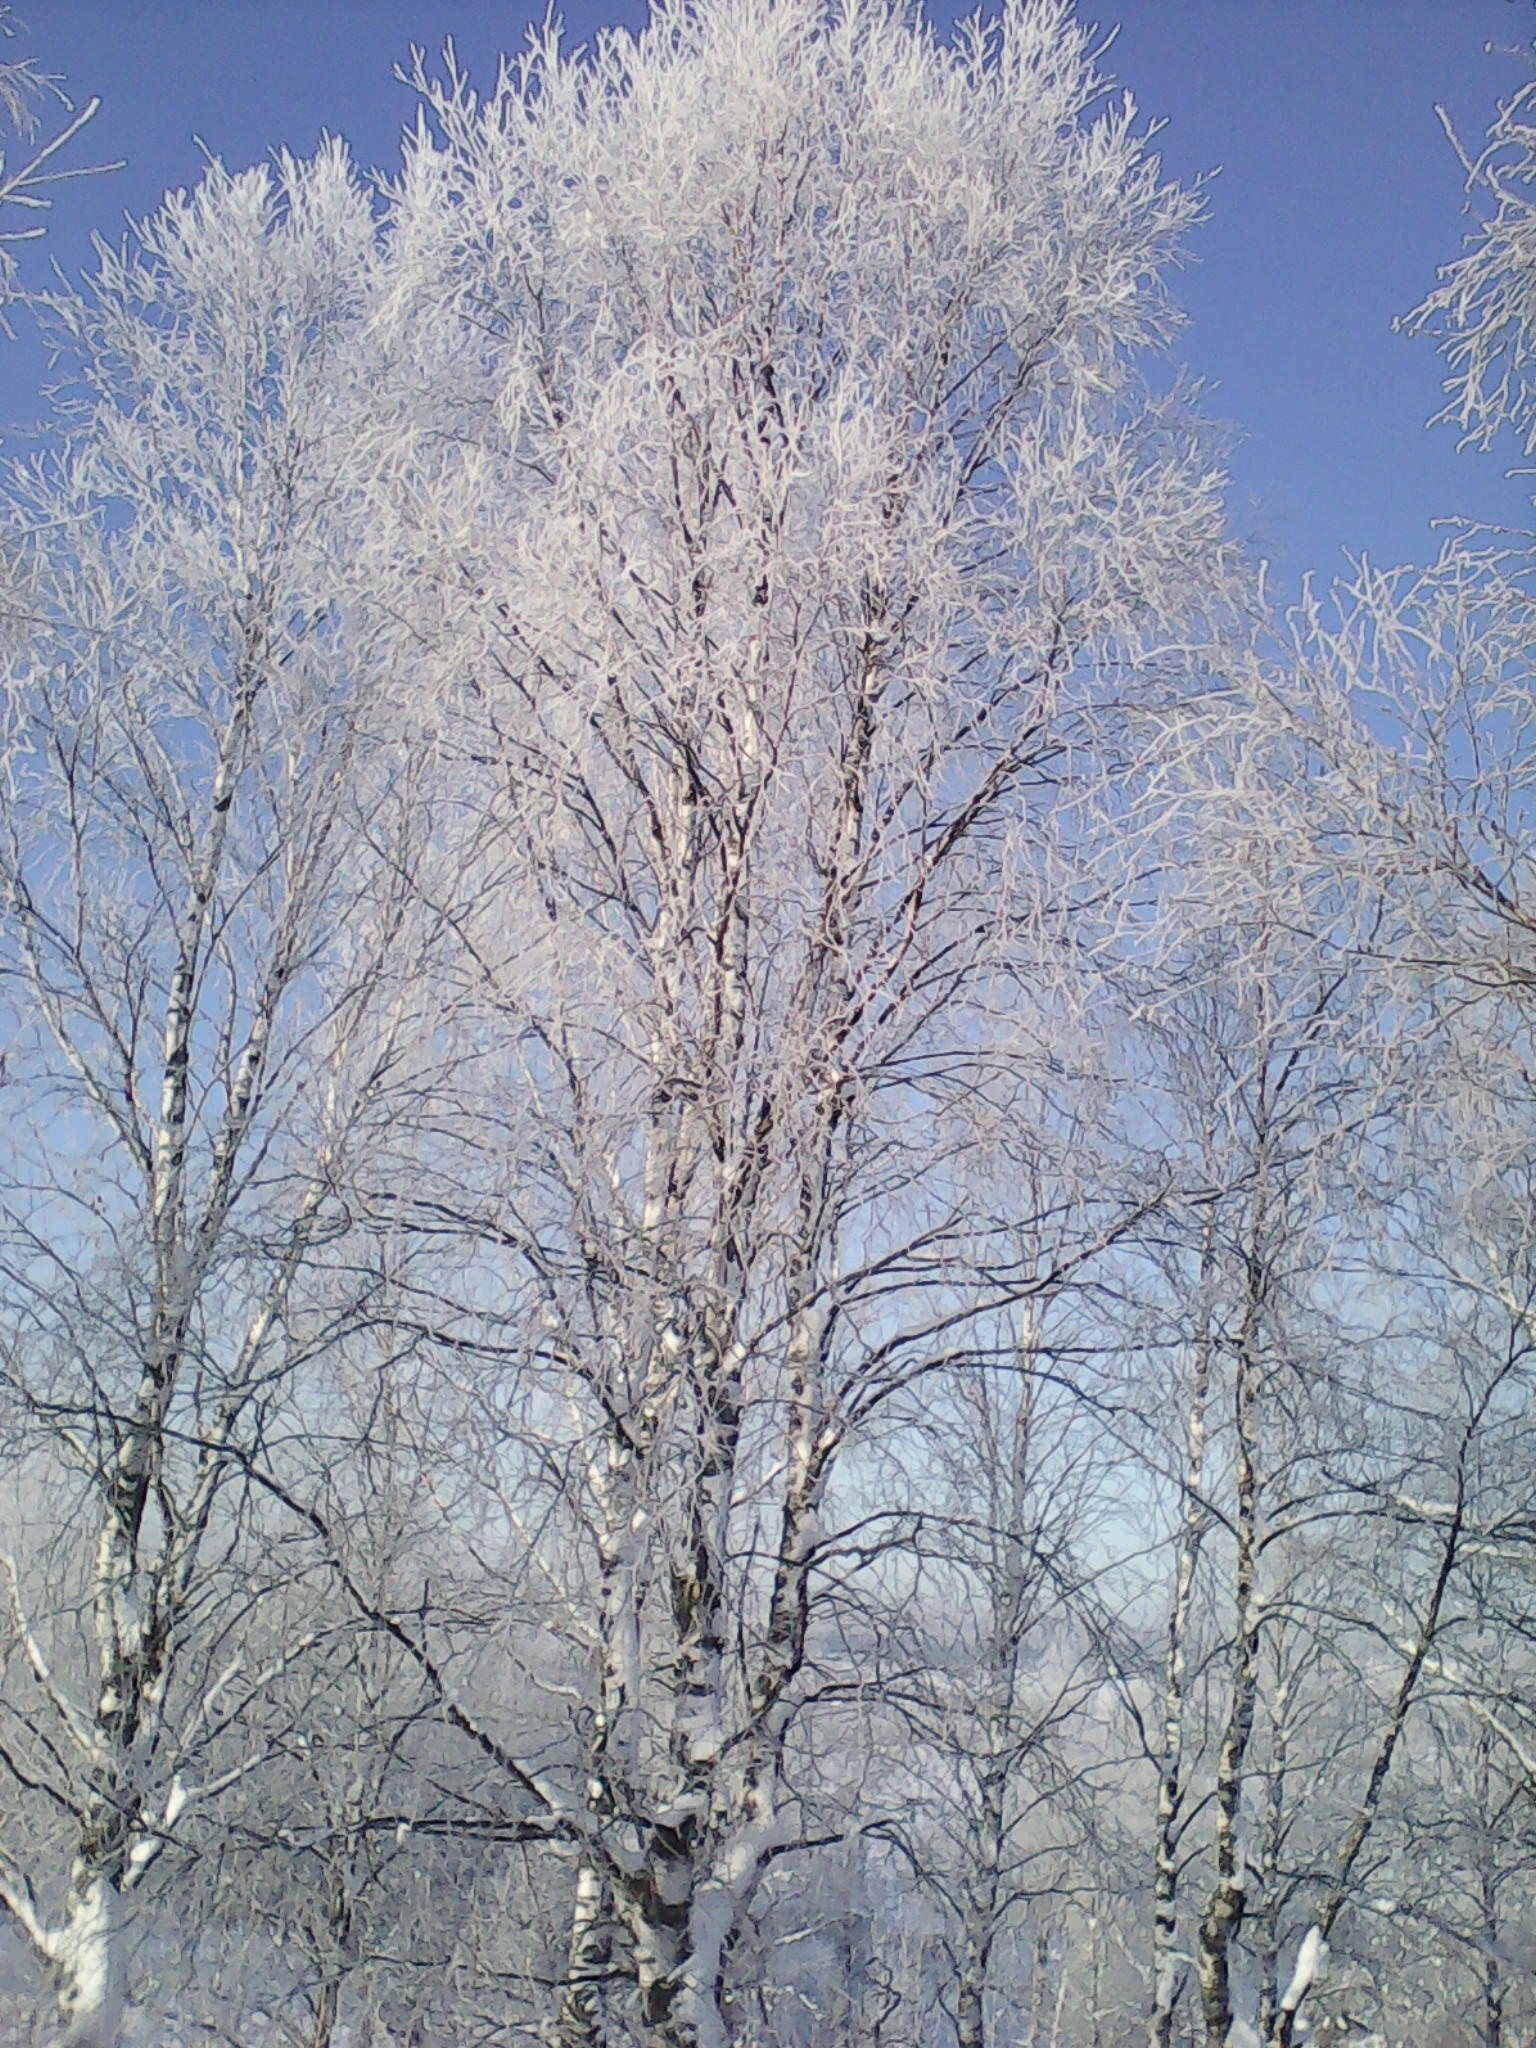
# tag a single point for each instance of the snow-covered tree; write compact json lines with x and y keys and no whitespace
{"x":801,"y":576}
{"x":204,"y":928}
{"x":25,"y":88}
{"x":1408,"y":693}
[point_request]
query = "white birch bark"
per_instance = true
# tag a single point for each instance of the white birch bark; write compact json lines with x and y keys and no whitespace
{"x":1194,"y":1524}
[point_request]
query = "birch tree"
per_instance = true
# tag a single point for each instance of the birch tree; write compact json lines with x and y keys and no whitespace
{"x":1407,"y":693}
{"x":202,"y":858}
{"x":1261,"y":1057}
{"x":798,"y":573}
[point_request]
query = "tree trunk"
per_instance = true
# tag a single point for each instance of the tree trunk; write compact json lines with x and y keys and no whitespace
{"x":88,"y":1960}
{"x":87,"y":1951}
{"x":677,"y":1987}
{"x":1488,"y":1827}
{"x":1039,"y":2025}
{"x":976,"y":1957}
{"x":1224,"y":1909}
{"x":1195,"y":1521}
{"x":1225,"y":1906}
{"x":586,"y":1964}
{"x":1266,"y":1910}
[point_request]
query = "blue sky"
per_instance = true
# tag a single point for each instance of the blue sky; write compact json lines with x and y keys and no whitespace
{"x":1336,"y":196}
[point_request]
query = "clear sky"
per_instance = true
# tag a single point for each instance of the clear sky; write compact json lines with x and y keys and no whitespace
{"x":1336,"y":196}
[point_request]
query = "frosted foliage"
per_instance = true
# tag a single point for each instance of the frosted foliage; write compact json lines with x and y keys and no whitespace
{"x":198,"y":517}
{"x":1483,"y":310}
{"x":761,"y":353}
{"x":25,"y":184}
{"x":222,"y":365}
{"x":890,"y":290}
